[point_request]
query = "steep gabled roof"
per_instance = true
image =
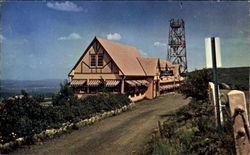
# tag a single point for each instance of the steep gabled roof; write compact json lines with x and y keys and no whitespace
{"x":127,"y":59}
{"x":149,"y":65}
{"x":124,"y":56}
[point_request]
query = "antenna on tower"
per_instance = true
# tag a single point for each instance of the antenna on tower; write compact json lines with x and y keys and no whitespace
{"x":177,"y":44}
{"x":181,"y":5}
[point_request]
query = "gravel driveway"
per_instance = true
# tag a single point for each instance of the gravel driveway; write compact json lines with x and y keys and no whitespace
{"x":118,"y":135}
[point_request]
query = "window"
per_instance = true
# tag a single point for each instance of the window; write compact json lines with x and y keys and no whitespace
{"x":96,"y":60}
{"x":100,"y":60}
{"x":167,"y":73}
{"x":92,"y":60}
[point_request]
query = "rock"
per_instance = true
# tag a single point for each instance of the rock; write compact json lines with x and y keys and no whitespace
{"x":11,"y":144}
{"x":89,"y":121}
{"x":6,"y":146}
{"x":97,"y":118}
{"x":86,"y":121}
{"x":124,"y":108}
{"x":116,"y":111}
{"x":224,"y":86}
{"x":112,"y":112}
{"x":37,"y":140}
{"x":104,"y":115}
{"x":82,"y":123}
{"x":20,"y":140}
{"x":92,"y":120}
{"x":41,"y":135}
{"x":64,"y":128}
{"x":1,"y":146}
{"x":50,"y":132}
{"x":60,"y":130}
{"x":70,"y":125}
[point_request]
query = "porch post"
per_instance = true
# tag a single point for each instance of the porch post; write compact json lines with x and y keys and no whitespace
{"x":87,"y":86}
{"x":122,"y":86}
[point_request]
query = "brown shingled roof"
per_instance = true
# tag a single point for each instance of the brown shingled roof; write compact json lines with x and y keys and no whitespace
{"x":149,"y":65}
{"x":124,"y":56}
{"x":163,"y":63}
{"x":128,"y":59}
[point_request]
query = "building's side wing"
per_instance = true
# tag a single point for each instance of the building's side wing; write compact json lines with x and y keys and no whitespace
{"x":150,"y":66}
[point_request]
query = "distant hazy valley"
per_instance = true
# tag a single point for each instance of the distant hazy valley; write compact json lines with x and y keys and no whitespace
{"x":48,"y":87}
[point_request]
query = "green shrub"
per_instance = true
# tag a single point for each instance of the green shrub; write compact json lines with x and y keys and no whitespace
{"x":167,"y":147}
{"x":25,"y":117}
{"x":65,"y":95}
{"x":38,"y":98}
{"x":105,"y":102}
{"x":21,"y":118}
{"x":196,"y":134}
{"x":192,"y":129}
{"x":95,"y":103}
{"x":196,"y":84}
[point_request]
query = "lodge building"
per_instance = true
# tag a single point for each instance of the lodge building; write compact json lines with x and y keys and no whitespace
{"x":120,"y":68}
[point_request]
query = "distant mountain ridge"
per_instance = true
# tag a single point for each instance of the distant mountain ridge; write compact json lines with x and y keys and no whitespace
{"x":45,"y":87}
{"x":236,"y":77}
{"x":30,"y":82}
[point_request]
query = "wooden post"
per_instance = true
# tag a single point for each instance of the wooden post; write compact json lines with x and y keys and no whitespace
{"x":238,"y":109}
{"x":122,"y":86}
{"x":87,"y":86}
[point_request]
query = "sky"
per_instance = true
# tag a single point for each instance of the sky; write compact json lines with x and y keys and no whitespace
{"x":44,"y":40}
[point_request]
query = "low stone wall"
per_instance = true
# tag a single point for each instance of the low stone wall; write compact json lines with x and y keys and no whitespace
{"x":66,"y":127}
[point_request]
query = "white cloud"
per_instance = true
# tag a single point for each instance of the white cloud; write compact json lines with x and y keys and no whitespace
{"x":65,"y":6}
{"x":72,"y":36}
{"x":114,"y":36}
{"x":2,"y":38}
{"x":159,"y":44}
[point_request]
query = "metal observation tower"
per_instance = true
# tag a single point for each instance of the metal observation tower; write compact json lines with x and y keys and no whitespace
{"x":177,"y":44}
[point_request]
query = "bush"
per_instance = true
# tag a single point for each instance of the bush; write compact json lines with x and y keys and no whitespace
{"x":105,"y":102}
{"x":196,"y":134}
{"x":26,"y":117}
{"x":95,"y":103}
{"x":192,"y":129}
{"x":117,"y":100}
{"x":20,"y":118}
{"x":196,"y":84}
{"x":65,"y":95}
{"x":38,"y":98}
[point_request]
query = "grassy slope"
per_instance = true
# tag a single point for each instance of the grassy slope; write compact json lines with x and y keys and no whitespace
{"x":191,"y":130}
{"x":237,"y":78}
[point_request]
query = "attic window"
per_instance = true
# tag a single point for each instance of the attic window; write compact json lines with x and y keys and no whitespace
{"x":100,"y":60}
{"x":92,"y":60}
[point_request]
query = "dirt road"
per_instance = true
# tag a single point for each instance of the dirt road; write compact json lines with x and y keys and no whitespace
{"x":122,"y":134}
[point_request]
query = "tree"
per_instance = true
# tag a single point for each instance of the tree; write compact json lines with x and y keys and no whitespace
{"x":65,"y":95}
{"x":196,"y":84}
{"x":24,"y":93}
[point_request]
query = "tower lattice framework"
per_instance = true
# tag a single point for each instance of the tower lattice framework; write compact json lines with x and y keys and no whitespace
{"x":177,"y":44}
